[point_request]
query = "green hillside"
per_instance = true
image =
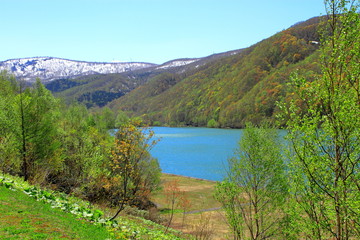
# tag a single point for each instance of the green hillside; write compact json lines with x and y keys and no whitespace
{"x":231,"y":90}
{"x":99,"y":89}
{"x":94,"y":90}
{"x":22,"y":217}
{"x":28,"y":212}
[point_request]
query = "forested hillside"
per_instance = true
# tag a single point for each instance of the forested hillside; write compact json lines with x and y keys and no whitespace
{"x":99,"y":89}
{"x":94,"y":90}
{"x":232,"y":90}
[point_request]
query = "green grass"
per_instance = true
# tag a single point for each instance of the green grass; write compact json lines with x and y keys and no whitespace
{"x":22,"y":217}
{"x":45,"y":214}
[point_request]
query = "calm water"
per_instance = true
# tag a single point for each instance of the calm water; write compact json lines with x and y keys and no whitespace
{"x":195,"y":152}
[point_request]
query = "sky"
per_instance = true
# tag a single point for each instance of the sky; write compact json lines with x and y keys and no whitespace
{"x":152,"y":31}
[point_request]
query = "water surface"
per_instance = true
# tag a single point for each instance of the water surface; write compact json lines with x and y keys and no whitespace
{"x":195,"y":152}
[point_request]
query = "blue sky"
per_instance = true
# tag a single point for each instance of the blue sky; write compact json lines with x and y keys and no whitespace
{"x":142,"y":30}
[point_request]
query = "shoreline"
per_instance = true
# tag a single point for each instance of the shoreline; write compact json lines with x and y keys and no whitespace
{"x":195,"y":178}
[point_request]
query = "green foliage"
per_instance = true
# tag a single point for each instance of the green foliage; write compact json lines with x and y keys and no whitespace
{"x":94,"y":90}
{"x":69,"y":147}
{"x":9,"y":157}
{"x":98,"y":98}
{"x":104,"y":119}
{"x":324,"y":125}
{"x":28,"y":128}
{"x":212,"y":123}
{"x":61,"y":85}
{"x":231,"y":90}
{"x":255,"y":189}
{"x":121,"y":119}
{"x":85,"y":144}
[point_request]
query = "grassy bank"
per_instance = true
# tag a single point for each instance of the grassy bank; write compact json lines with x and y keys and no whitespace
{"x":22,"y":217}
{"x":29,"y":212}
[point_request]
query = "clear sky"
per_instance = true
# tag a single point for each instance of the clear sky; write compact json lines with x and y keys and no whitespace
{"x":142,"y":30}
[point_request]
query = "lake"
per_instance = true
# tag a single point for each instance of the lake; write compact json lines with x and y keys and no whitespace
{"x":195,"y":152}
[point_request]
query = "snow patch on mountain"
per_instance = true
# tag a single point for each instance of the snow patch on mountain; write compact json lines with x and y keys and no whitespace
{"x":50,"y":68}
{"x":177,"y":63}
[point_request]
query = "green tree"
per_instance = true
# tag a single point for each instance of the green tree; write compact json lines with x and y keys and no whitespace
{"x":104,"y":118}
{"x":28,"y":131}
{"x":84,"y":146}
{"x":255,"y":189}
{"x":325,"y":140}
{"x":212,"y":123}
{"x":37,"y":116}
{"x":9,"y":156}
{"x":121,"y":118}
{"x":46,"y":142}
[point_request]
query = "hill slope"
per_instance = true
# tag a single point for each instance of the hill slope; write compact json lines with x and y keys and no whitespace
{"x":50,"y":68}
{"x":94,"y":90}
{"x":231,"y":90}
{"x":43,"y":214}
{"x":99,"y":89}
{"x":22,"y":217}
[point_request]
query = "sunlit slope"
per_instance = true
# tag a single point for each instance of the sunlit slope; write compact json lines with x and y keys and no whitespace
{"x":231,"y":90}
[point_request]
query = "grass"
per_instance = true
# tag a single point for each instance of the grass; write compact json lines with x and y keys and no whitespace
{"x":22,"y":217}
{"x":45,"y":214}
{"x":200,"y":193}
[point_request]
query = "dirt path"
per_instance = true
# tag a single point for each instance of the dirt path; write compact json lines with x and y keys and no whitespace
{"x":203,"y":210}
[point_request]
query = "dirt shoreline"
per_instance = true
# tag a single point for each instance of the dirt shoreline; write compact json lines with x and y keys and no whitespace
{"x":200,"y":179}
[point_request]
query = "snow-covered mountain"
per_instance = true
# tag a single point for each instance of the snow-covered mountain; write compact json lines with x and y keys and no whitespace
{"x":50,"y":68}
{"x":177,"y":63}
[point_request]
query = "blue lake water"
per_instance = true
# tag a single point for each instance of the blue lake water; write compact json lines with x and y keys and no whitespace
{"x":195,"y":152}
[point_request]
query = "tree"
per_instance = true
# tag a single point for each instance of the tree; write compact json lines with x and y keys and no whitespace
{"x":133,"y":172}
{"x":121,"y":118}
{"x":184,"y":204}
{"x":37,"y":113}
{"x":173,"y":195}
{"x":104,"y":118}
{"x":85,"y":146}
{"x":212,"y":123}
{"x":28,"y":129}
{"x":325,"y":135}
{"x":255,"y":188}
{"x":9,"y":156}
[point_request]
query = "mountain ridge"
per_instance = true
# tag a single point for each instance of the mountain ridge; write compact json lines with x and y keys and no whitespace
{"x":51,"y":68}
{"x":99,"y":89}
{"x":48,"y":68}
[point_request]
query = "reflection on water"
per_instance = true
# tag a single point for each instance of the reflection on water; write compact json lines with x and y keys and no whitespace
{"x":172,"y":135}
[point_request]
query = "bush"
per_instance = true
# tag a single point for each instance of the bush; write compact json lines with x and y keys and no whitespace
{"x":212,"y":123}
